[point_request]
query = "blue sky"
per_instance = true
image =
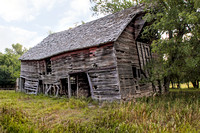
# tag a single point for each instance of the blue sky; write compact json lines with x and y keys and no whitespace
{"x":29,"y":21}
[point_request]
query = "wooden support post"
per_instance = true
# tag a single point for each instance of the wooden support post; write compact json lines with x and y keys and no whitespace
{"x":37,"y":88}
{"x":58,"y":88}
{"x":20,"y":84}
{"x":69,"y":87}
{"x":90,"y":83}
{"x":48,"y":89}
{"x":54,"y":90}
{"x":77,"y":85}
{"x":43,"y":88}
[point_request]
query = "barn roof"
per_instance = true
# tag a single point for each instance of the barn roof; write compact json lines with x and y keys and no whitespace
{"x":94,"y":33}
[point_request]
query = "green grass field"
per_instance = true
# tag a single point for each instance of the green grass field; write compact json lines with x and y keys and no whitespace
{"x":178,"y":111}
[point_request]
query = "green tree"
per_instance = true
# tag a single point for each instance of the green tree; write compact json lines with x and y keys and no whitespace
{"x":179,"y":21}
{"x":10,"y":64}
{"x":111,"y":6}
{"x":176,"y":20}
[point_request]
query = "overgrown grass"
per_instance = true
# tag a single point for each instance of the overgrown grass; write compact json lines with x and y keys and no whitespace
{"x":175,"y":112}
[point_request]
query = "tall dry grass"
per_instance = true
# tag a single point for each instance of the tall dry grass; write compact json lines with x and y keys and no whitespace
{"x":174,"y":112}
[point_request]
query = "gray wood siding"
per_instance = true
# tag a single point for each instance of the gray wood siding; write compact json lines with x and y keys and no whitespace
{"x":98,"y":62}
{"x":29,"y":71}
{"x":129,"y":54}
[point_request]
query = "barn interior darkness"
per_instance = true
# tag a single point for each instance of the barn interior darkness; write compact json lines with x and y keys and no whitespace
{"x":79,"y":85}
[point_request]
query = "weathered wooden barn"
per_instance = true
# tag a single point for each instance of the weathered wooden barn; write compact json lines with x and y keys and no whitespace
{"x":104,"y":59}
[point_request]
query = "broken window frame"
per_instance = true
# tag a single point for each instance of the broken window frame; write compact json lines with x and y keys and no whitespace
{"x":136,"y":72}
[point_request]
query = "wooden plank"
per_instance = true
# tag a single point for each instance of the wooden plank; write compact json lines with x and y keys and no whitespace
{"x":69,"y":87}
{"x":54,"y":90}
{"x":142,"y":55}
{"x":46,"y":93}
{"x":58,"y":88}
{"x":138,"y":55}
{"x":30,"y":89}
{"x":43,"y":88}
{"x":37,"y":88}
{"x":20,"y":84}
{"x":77,"y":85}
{"x":90,"y":84}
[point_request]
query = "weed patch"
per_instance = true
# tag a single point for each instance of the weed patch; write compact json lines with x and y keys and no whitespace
{"x":174,"y":112}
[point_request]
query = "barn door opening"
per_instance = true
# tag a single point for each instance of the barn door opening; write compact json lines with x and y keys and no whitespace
{"x":22,"y":84}
{"x":64,"y":87}
{"x":79,"y":85}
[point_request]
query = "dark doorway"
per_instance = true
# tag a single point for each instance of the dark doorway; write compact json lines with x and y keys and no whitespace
{"x":79,"y":85}
{"x":64,"y":87}
{"x":22,"y":84}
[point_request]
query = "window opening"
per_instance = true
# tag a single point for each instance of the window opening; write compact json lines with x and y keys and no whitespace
{"x":136,"y":72}
{"x":134,"y":69}
{"x":48,"y":66}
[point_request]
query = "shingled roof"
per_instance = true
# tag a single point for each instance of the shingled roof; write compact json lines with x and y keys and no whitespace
{"x":94,"y":33}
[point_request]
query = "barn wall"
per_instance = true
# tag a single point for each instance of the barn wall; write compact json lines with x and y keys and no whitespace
{"x":126,"y":54}
{"x":129,"y":56}
{"x":107,"y":71}
{"x":29,"y":76}
{"x":98,"y":62}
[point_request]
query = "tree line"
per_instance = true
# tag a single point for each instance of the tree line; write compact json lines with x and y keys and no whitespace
{"x":10,"y":64}
{"x":174,"y":34}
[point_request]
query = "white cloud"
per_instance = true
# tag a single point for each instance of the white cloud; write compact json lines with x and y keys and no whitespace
{"x":12,"y":35}
{"x":25,"y":10}
{"x":79,"y":10}
{"x":20,"y":10}
{"x":44,"y":4}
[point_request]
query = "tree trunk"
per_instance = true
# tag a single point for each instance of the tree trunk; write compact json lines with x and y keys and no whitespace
{"x":194,"y":84}
{"x":166,"y":83}
{"x":159,"y":86}
{"x":188,"y":84}
{"x":172,"y":84}
{"x":154,"y":87}
{"x":178,"y":86}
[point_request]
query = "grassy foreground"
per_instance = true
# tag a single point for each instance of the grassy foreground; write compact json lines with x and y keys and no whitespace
{"x":174,"y":112}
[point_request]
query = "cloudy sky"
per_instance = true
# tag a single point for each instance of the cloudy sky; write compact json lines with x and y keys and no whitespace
{"x":29,"y":21}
